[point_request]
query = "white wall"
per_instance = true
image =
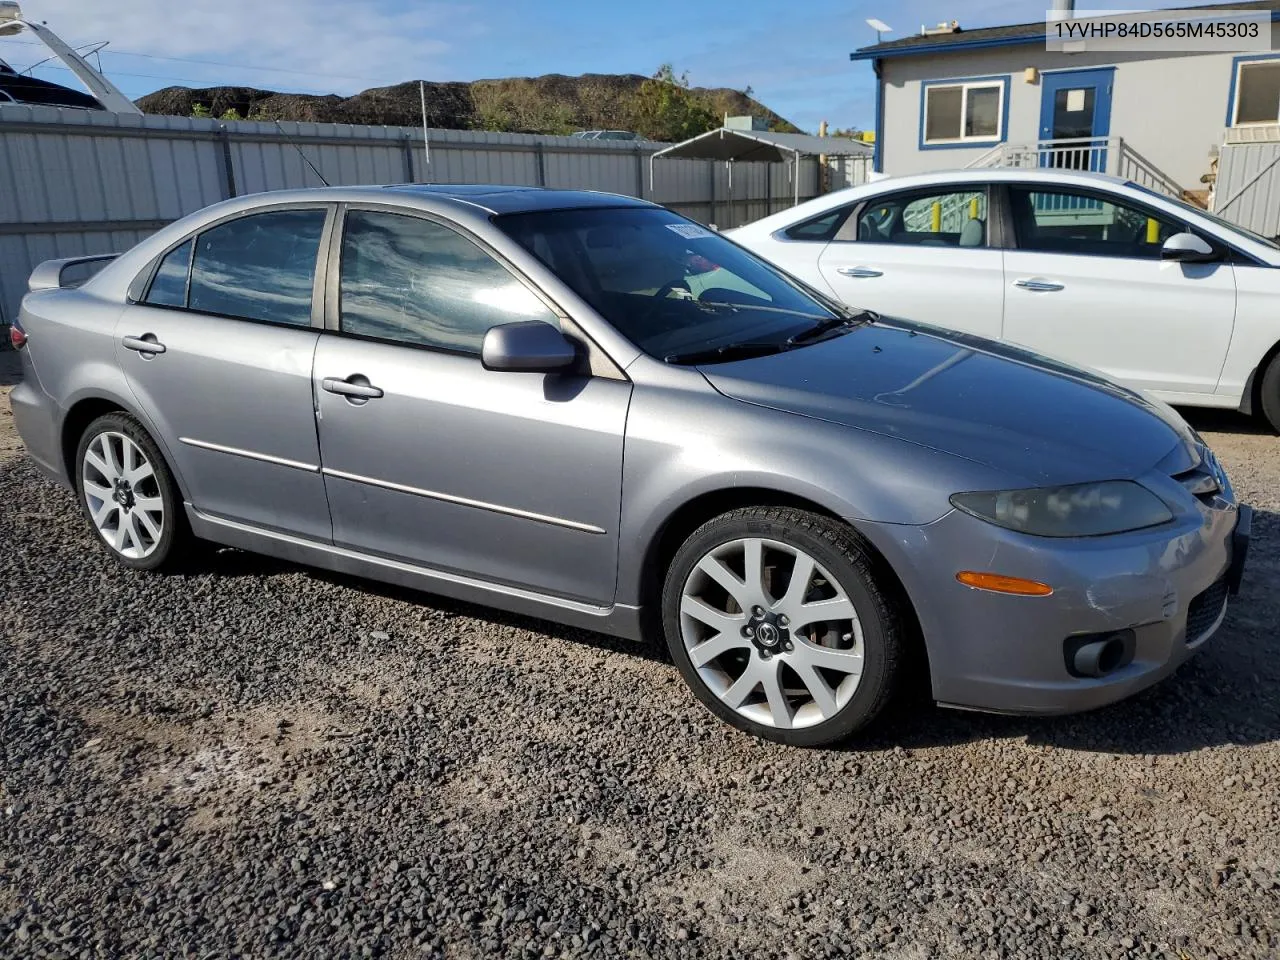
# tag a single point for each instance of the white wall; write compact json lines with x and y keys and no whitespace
{"x":1170,"y":108}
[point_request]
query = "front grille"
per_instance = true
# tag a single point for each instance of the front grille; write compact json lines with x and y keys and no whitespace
{"x":1200,"y":483}
{"x":1203,"y":611}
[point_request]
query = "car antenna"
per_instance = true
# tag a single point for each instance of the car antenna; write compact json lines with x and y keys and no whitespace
{"x":305,"y":158}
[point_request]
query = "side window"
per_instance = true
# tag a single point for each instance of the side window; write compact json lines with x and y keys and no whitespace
{"x":956,"y":218}
{"x":821,"y":228}
{"x":414,"y":281}
{"x":169,"y":286}
{"x":1062,"y":221}
{"x":259,"y":267}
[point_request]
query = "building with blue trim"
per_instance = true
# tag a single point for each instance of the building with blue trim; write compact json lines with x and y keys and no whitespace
{"x":997,"y":95}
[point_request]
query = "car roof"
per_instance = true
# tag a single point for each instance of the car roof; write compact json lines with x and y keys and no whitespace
{"x":1001,"y":174}
{"x":496,"y":198}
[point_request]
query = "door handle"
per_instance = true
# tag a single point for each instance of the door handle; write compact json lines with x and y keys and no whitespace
{"x":147,"y":343}
{"x":352,"y":388}
{"x":859,"y":272}
{"x":1038,"y":286}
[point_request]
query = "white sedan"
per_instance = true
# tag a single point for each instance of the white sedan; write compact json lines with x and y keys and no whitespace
{"x":1093,"y":270}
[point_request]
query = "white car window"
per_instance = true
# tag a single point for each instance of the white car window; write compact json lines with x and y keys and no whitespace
{"x":1067,"y":221}
{"x":953,"y":218}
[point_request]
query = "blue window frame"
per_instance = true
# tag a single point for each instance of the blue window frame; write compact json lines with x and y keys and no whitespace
{"x":964,"y":112}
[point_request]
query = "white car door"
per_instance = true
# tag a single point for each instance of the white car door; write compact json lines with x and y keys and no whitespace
{"x":924,"y":254}
{"x":1086,"y":284}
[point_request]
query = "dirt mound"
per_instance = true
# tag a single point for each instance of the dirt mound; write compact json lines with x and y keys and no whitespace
{"x":553,"y":104}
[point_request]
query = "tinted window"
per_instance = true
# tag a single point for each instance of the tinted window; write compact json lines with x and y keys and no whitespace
{"x":415,"y":281}
{"x":819,"y":228}
{"x":169,"y":287}
{"x":1068,"y":222}
{"x":259,"y":267}
{"x":669,"y":285}
{"x":949,"y":219}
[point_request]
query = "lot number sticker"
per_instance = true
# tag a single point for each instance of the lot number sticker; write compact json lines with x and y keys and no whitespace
{"x":690,"y":231}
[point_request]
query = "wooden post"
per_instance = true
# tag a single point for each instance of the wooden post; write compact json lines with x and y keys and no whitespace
{"x":824,"y":180}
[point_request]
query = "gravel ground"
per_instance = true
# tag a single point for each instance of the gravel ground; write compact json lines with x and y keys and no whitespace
{"x":258,"y":760}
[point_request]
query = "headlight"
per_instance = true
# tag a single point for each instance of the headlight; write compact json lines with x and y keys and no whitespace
{"x":1080,"y":510}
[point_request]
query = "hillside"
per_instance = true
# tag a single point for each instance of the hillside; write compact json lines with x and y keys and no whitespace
{"x":548,"y":104}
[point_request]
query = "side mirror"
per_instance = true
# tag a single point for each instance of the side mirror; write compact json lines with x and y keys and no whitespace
{"x":1186,"y":248}
{"x":527,"y":345}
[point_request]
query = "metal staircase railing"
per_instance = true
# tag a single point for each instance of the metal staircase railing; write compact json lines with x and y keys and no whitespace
{"x":1110,"y":155}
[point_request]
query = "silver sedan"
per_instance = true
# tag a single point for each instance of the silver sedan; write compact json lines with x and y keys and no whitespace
{"x":590,"y":409}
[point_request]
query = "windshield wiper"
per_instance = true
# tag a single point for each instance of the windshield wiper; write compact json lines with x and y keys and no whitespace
{"x":844,"y":318}
{"x":731,"y":351}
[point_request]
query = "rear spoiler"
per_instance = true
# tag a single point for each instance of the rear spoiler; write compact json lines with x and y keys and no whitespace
{"x":48,"y":275}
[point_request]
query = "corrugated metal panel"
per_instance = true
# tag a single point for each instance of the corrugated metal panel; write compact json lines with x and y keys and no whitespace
{"x":1247,"y":189}
{"x":65,"y":174}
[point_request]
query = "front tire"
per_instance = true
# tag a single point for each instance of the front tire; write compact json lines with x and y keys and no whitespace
{"x":775,"y":619}
{"x":128,"y":495}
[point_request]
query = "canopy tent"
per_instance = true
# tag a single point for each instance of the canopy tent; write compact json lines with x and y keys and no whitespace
{"x":764,"y":146}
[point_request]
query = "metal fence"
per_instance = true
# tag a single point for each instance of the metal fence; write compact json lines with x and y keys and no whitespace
{"x":75,"y":182}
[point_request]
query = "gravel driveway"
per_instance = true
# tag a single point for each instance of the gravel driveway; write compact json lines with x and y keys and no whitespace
{"x":257,"y":760}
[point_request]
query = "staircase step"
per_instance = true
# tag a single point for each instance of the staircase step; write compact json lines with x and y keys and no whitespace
{"x":1197,"y":198}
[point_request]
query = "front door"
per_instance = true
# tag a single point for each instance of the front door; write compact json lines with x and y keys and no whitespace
{"x":1086,"y":284}
{"x":1075,"y":106}
{"x":508,"y":477}
{"x":219,"y":355}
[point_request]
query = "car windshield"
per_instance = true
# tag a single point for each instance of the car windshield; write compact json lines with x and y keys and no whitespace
{"x":1200,"y":212}
{"x":675,"y":289}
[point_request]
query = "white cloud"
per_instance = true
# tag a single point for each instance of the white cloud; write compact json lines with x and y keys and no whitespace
{"x":336,"y":45}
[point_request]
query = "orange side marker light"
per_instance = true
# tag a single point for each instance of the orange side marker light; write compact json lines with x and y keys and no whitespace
{"x":998,"y":583}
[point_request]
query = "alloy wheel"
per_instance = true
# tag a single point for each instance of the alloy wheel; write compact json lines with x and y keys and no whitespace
{"x":771,"y":633}
{"x":122,"y":492}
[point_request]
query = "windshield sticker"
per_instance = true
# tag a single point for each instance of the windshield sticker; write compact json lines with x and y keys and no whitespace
{"x":690,"y":231}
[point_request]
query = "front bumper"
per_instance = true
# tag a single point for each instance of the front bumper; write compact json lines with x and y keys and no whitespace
{"x":1001,"y":653}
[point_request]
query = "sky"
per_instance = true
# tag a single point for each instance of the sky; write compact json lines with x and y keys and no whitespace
{"x":794,"y":56}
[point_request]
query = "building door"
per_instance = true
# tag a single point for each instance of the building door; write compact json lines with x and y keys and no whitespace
{"x":1075,"y":106}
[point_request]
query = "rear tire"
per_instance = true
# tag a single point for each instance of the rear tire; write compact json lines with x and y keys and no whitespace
{"x":1269,"y":394}
{"x":128,"y":496}
{"x":804,"y":662}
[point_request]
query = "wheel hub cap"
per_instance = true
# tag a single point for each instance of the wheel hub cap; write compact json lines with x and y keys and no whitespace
{"x":767,"y":634}
{"x":123,"y":494}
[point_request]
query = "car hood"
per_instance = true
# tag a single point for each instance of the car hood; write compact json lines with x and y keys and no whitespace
{"x":988,"y":402}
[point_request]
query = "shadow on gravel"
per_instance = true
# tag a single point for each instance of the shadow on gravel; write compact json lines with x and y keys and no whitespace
{"x":229,"y":562}
{"x":10,"y":368}
{"x":1208,"y":420}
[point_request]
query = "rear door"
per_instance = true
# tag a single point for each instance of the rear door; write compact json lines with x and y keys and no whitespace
{"x":924,"y":255}
{"x":1086,"y":284}
{"x":219,"y":356}
{"x":507,"y":477}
